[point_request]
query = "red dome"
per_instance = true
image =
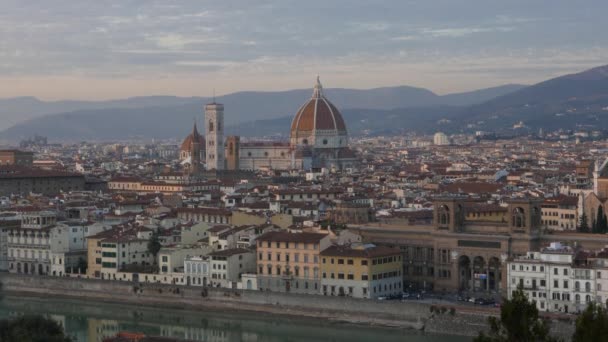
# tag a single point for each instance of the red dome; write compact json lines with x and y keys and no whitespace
{"x":317,"y":114}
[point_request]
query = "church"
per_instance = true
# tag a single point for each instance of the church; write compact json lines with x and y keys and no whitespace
{"x":318,"y":139}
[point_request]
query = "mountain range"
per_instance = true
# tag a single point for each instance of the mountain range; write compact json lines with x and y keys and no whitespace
{"x":168,"y":116}
{"x":568,"y":102}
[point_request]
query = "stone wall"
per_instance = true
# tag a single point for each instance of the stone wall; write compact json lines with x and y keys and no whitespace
{"x":410,"y":315}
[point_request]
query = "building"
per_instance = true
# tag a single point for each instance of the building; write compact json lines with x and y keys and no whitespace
{"x":560,"y":213}
{"x":29,"y":245}
{"x":466,"y":246}
{"x":193,"y":145}
{"x":17,"y":158}
{"x":214,"y":119}
{"x":233,"y":150}
{"x":227,"y":266}
{"x":117,"y":249}
{"x":289,"y":262}
{"x":69,"y":247}
{"x":440,"y":139}
{"x":557,"y":278}
{"x":318,"y":139}
{"x":196,"y":270}
{"x":20,"y":180}
{"x":361,"y":271}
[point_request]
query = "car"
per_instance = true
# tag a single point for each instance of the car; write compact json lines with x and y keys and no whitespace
{"x":480,"y":301}
{"x":405,"y":295}
{"x":471,"y":300}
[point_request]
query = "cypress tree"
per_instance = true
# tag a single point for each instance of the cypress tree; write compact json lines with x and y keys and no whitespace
{"x":584,"y":225}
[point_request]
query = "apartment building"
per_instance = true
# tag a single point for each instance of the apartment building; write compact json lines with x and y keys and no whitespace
{"x":227,"y":266}
{"x":558,"y":278}
{"x":361,"y":271}
{"x":290,"y":262}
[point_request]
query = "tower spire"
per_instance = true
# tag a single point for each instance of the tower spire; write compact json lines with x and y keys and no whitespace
{"x":318,"y":89}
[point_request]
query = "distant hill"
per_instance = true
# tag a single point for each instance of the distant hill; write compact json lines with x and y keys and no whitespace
{"x":570,"y":102}
{"x":167,"y":116}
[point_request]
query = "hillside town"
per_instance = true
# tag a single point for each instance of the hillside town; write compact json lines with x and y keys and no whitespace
{"x":472,"y":217}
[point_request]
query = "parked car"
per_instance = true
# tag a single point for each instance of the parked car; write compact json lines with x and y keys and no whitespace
{"x":471,"y":300}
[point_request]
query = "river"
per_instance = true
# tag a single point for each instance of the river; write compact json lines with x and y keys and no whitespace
{"x":88,"y":321}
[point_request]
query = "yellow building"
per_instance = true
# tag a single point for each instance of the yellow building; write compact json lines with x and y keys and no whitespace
{"x":362,"y":271}
{"x":289,"y":262}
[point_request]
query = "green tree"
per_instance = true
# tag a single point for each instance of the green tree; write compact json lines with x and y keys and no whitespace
{"x":584,"y":225}
{"x":602,"y":221}
{"x":519,"y":321}
{"x":154,"y":244}
{"x":592,"y":324}
{"x":32,"y":328}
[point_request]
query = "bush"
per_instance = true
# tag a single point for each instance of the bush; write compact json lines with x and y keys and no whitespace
{"x":452,"y":311}
{"x":443,"y":309}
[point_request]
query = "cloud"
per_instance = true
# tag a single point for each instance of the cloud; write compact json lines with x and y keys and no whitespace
{"x":239,"y":42}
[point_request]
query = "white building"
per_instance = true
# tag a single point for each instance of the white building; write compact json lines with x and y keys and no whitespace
{"x":555,"y":280}
{"x":440,"y":139}
{"x":227,"y":266}
{"x":69,"y":246}
{"x":196,"y":270}
{"x":29,"y":245}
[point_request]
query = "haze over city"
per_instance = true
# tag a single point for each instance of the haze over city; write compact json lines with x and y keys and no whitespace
{"x":117,"y":49}
{"x":327,"y":171}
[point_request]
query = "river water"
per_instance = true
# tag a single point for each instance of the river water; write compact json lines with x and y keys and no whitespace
{"x":92,"y":321}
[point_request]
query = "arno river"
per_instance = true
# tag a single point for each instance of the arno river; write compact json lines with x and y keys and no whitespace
{"x":92,"y":321}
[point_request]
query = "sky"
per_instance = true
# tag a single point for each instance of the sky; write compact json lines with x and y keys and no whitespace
{"x":101,"y":49}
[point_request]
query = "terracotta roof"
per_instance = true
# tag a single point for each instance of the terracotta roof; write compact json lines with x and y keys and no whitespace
{"x":317,"y":114}
{"x":370,"y":252}
{"x":292,"y":237}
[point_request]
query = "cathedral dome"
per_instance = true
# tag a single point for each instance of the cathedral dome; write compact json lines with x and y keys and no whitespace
{"x":318,"y":123}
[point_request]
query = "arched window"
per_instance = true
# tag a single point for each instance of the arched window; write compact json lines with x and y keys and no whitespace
{"x":210,"y":126}
{"x":587,"y":286}
{"x":577,"y":298}
{"x":519,"y":220}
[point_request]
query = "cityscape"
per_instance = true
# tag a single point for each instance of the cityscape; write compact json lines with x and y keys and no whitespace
{"x":352,"y":212}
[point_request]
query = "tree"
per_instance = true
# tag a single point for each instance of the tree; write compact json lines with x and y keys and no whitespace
{"x":32,"y":328}
{"x":592,"y":324}
{"x":154,"y":244}
{"x":602,"y":221}
{"x":519,"y":321}
{"x":584,"y":225}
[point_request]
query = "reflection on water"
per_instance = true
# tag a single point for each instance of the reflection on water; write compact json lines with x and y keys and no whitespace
{"x":92,"y":321}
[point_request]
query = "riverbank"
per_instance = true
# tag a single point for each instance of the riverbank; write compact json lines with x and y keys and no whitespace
{"x":394,"y":314}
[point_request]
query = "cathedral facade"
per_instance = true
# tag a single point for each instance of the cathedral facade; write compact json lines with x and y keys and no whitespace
{"x":318,"y":139}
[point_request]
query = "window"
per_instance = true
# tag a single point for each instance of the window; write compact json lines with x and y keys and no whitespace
{"x":555,"y":271}
{"x":165,"y":258}
{"x":565,"y":271}
{"x":350,"y":262}
{"x":340,"y":261}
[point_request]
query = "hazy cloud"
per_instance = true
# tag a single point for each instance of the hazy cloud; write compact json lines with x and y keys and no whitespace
{"x":178,"y":47}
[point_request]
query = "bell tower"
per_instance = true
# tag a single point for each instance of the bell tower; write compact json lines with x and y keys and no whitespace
{"x":214,"y":121}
